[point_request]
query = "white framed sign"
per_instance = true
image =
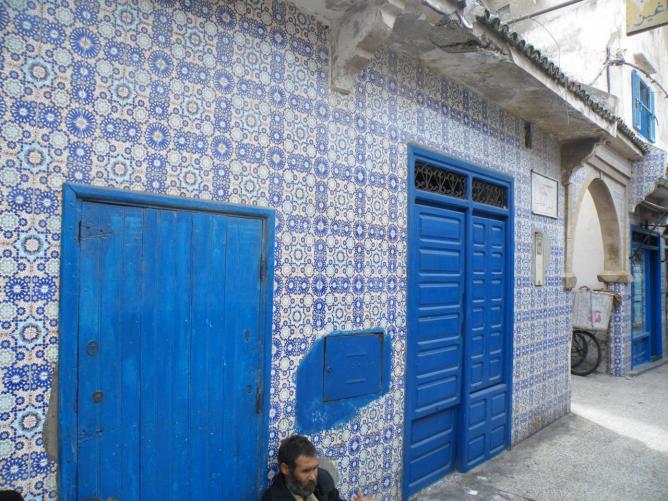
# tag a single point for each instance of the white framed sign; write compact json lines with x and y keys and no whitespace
{"x":543,"y":195}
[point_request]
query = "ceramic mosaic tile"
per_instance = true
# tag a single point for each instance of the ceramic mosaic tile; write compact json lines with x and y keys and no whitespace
{"x":230,"y":101}
{"x":646,"y":173}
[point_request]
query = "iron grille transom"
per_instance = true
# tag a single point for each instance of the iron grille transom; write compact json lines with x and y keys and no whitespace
{"x":489,"y":194}
{"x":441,"y":181}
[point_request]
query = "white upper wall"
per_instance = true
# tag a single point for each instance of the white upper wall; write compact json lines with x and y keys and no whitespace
{"x":588,"y":245}
{"x":576,"y":38}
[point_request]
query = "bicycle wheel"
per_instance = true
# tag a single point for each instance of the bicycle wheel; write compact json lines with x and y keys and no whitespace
{"x":592,"y":353}
{"x":578,"y":349}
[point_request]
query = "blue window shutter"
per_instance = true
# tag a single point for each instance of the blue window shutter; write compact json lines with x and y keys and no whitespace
{"x":652,"y":117}
{"x":635,"y":85}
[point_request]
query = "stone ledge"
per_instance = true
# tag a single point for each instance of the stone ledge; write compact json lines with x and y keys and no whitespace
{"x":570,"y":281}
{"x":611,"y":277}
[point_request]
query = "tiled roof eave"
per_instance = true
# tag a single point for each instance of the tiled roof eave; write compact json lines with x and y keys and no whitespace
{"x":555,"y":73}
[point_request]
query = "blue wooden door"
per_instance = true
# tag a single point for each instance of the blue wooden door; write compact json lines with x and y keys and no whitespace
{"x":170,"y":354}
{"x":459,"y":318}
{"x":436,"y":316}
{"x":640,"y":314}
{"x":646,"y":343}
{"x":485,"y":420}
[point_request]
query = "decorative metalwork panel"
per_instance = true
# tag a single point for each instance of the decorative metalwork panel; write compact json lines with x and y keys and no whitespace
{"x":441,"y":181}
{"x":490,"y":194}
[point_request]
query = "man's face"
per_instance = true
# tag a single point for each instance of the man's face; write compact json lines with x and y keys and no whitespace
{"x":303,"y":477}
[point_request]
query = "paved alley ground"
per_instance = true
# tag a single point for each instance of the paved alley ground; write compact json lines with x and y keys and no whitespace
{"x":613,"y":446}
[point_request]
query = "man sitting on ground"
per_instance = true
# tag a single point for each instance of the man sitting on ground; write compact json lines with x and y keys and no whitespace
{"x":300,"y":479}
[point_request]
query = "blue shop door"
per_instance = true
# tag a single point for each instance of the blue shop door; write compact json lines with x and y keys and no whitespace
{"x":434,"y":358}
{"x":645,"y":306}
{"x":170,"y":355}
{"x":485,"y":417}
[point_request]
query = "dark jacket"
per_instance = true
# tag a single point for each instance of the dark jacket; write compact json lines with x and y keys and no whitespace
{"x":325,"y":490}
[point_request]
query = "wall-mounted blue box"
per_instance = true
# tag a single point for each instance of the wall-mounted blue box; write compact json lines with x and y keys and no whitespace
{"x":341,"y":373}
{"x":353,"y":366}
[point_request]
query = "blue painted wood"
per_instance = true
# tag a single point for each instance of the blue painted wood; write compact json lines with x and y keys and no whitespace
{"x":208,"y":312}
{"x":635,"y":93}
{"x":165,"y":328}
{"x":434,"y":352}
{"x":94,"y":246}
{"x":142,"y":279}
{"x":646,"y":343}
{"x":484,"y":427}
{"x":484,"y":430}
{"x":641,"y":322}
{"x":487,"y":312}
{"x":353,"y":366}
{"x":241,"y":377}
{"x":485,"y":335}
{"x":68,"y":344}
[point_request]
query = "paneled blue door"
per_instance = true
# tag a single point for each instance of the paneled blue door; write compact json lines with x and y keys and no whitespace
{"x":170,"y":358}
{"x":485,"y":425}
{"x":435,"y":350}
{"x":459,"y":339}
{"x":646,"y":343}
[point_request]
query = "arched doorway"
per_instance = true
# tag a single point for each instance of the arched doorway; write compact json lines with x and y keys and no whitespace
{"x":597,"y":244}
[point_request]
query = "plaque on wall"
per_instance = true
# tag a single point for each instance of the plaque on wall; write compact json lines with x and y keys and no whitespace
{"x":543,"y":195}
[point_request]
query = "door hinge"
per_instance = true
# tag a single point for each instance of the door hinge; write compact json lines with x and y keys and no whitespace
{"x":258,"y":400}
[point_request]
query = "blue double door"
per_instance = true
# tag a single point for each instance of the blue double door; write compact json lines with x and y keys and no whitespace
{"x":646,"y":343}
{"x":169,"y":367}
{"x":458,"y":351}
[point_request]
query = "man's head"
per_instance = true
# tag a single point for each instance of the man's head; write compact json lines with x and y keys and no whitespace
{"x":298,"y":461}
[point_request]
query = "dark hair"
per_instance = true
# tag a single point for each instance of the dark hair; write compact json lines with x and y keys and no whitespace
{"x":8,"y":495}
{"x":293,"y":447}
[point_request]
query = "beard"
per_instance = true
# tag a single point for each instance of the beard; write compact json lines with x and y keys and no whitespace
{"x":296,"y":487}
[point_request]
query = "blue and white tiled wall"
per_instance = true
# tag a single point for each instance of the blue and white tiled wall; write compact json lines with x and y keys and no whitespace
{"x":230,"y":101}
{"x":646,"y":173}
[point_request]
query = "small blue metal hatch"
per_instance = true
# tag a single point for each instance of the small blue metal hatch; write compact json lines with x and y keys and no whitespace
{"x":353,"y":366}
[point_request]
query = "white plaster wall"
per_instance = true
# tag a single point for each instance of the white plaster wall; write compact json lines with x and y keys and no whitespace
{"x":576,"y":38}
{"x":588,"y":248}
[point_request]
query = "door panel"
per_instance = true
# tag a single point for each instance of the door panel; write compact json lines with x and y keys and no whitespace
{"x":459,"y":318}
{"x":484,"y":415}
{"x":640,"y":312}
{"x":108,"y":397}
{"x":485,"y":336}
{"x":434,"y":352}
{"x":164,"y":352}
{"x":170,"y":352}
{"x":486,"y":426}
{"x":646,"y":305}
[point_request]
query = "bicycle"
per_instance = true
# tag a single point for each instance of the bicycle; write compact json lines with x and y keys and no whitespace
{"x":585,"y":353}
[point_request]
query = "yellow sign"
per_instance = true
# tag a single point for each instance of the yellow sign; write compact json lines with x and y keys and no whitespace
{"x":642,"y":15}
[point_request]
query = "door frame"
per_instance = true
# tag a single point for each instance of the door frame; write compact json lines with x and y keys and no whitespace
{"x":73,"y":198}
{"x":653,"y":284}
{"x":470,"y":208}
